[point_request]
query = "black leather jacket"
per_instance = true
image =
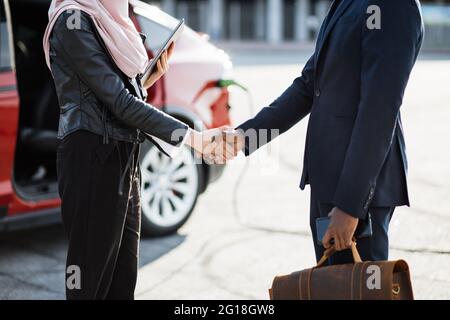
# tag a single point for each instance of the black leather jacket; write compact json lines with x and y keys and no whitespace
{"x":94,"y":95}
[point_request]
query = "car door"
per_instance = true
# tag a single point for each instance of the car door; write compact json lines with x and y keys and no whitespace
{"x":9,"y":108}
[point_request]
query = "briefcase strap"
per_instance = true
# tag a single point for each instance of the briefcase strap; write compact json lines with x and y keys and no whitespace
{"x":330,"y":251}
{"x":356,"y":290}
{"x":305,"y":284}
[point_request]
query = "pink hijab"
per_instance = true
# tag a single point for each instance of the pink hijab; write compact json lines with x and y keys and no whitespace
{"x":114,"y":26}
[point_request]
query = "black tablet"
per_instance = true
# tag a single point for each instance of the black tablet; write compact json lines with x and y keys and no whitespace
{"x":172,"y":38}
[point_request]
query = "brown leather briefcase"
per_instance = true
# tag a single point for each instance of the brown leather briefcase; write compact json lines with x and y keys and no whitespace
{"x":380,"y":280}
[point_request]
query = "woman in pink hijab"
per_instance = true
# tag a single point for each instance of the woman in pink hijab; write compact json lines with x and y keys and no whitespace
{"x":96,"y":57}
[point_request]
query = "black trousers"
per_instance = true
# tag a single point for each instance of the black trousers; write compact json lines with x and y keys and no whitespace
{"x":102,"y":226}
{"x":375,"y":248}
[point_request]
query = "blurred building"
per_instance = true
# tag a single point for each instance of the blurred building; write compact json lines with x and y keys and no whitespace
{"x":274,"y":21}
{"x":256,"y":20}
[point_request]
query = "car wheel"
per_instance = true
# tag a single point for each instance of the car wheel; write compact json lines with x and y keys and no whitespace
{"x":169,"y":189}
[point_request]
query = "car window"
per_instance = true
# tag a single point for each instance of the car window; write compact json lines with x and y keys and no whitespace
{"x":5,"y":50}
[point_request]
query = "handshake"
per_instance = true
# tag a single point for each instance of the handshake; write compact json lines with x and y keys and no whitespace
{"x":216,"y":146}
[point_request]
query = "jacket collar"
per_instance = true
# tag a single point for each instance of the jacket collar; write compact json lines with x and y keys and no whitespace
{"x":323,"y":37}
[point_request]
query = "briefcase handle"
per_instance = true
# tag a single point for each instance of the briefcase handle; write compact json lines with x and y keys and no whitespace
{"x":330,"y":251}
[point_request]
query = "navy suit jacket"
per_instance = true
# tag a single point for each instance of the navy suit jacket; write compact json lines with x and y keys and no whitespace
{"x":353,"y":87}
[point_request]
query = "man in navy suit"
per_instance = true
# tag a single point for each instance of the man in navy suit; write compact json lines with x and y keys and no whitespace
{"x":352,"y":87}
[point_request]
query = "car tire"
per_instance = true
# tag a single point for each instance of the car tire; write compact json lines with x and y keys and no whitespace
{"x":169,"y":189}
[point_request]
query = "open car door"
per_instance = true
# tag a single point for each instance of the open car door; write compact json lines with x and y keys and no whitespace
{"x":9,"y":108}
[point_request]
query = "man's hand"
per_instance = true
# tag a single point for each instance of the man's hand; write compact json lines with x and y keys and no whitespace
{"x":229,"y":145}
{"x":341,"y":229}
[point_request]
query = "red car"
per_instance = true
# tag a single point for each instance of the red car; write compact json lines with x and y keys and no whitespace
{"x":192,"y":91}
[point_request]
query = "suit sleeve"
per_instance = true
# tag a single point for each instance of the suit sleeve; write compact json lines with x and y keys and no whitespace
{"x":388,"y":56}
{"x":92,"y":64}
{"x":291,"y":107}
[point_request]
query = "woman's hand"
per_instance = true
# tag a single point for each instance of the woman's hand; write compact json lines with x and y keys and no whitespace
{"x":204,"y":142}
{"x":161,"y":67}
